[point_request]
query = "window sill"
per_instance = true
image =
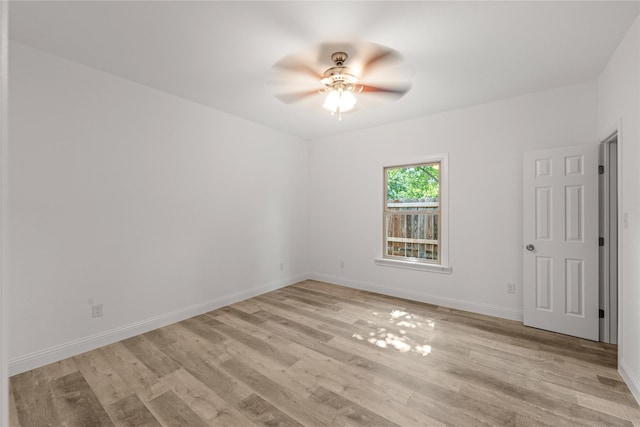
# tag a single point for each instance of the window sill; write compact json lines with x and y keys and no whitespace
{"x":434,"y":268}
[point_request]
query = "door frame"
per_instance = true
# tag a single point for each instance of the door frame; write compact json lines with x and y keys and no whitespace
{"x":609,"y":229}
{"x":4,"y":143}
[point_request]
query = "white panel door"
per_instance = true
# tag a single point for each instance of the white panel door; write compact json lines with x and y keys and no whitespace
{"x":560,"y":251}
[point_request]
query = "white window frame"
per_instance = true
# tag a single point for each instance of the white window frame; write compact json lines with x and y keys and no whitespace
{"x":444,"y":265}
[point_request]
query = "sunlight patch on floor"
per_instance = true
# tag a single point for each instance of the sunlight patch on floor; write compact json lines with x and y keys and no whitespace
{"x":400,"y":342}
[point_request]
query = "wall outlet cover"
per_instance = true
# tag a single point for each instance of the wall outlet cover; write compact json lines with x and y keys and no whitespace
{"x":96,"y":310}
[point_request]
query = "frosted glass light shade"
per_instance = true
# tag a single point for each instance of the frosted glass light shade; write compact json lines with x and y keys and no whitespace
{"x":339,"y":101}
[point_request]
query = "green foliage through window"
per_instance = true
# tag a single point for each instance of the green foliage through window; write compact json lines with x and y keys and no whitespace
{"x":413,"y":182}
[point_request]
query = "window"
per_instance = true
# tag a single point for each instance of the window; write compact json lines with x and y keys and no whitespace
{"x":414,"y":216}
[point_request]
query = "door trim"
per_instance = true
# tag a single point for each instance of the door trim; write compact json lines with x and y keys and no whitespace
{"x":4,"y":143}
{"x":609,"y":230}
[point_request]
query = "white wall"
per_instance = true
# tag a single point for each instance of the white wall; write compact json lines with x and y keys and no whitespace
{"x":485,"y":145}
{"x":619,"y":109}
{"x":156,"y":207}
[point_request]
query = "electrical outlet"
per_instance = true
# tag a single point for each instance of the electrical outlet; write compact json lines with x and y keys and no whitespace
{"x":511,"y":288}
{"x":96,"y":310}
{"x":341,"y":263}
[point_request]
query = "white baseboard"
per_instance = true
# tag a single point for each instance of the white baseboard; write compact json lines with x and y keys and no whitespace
{"x":472,"y":306}
{"x":56,"y":353}
{"x":629,"y":378}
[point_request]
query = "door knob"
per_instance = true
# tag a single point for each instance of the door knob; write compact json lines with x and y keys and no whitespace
{"x":530,"y":247}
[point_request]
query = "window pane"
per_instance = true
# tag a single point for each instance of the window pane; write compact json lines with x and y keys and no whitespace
{"x":412,"y":212}
{"x":419,"y":182}
{"x":413,"y":235}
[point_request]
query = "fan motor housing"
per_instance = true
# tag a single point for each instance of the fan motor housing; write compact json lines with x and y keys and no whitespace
{"x":339,"y":77}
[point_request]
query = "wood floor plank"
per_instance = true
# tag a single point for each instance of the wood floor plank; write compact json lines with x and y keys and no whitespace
{"x":254,"y":343}
{"x":204,"y":326}
{"x":365,"y":390}
{"x":296,"y":312}
{"x":160,"y":337}
{"x":130,"y":368}
{"x":130,"y":412}
{"x":248,"y":306}
{"x":297,"y":327}
{"x":611,"y":408}
{"x":578,"y":384}
{"x":13,"y":412}
{"x":444,"y":413}
{"x":381,"y":302}
{"x":240,"y":314}
{"x":265,"y":331}
{"x":77,"y":404}
{"x":526,"y":414}
{"x":34,"y":399}
{"x":60,"y":369}
{"x":317,"y":297}
{"x":200,"y":366}
{"x":285,"y":400}
{"x":249,"y":324}
{"x":105,"y":382}
{"x":265,"y":414}
{"x":343,"y":301}
{"x":315,"y":354}
{"x":307,"y":301}
{"x":561,"y":409}
{"x":348,"y":412}
{"x":210,"y":407}
{"x":172,"y":411}
{"x":275,"y":373}
{"x":318,"y":371}
{"x":212,"y":353}
{"x":147,"y":352}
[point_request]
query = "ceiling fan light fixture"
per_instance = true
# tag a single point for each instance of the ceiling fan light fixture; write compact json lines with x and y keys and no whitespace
{"x":340,"y":87}
{"x":339,"y":101}
{"x":339,"y":84}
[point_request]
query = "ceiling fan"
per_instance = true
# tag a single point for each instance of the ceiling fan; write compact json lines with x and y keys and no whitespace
{"x":340,"y":83}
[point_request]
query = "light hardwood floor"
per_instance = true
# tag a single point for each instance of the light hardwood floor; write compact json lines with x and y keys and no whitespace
{"x":315,"y":354}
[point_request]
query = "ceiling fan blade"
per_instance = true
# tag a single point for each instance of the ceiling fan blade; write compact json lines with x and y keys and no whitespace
{"x":289,"y":98}
{"x":400,"y":91}
{"x":290,"y":63}
{"x":381,"y":56}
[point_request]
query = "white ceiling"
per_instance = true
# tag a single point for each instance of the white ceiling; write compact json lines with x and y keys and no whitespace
{"x":221,"y":54}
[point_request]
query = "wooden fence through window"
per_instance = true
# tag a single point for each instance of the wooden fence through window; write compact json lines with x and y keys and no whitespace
{"x":413,"y":229}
